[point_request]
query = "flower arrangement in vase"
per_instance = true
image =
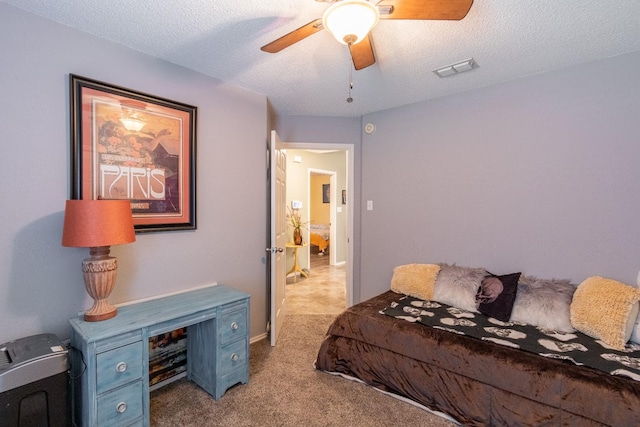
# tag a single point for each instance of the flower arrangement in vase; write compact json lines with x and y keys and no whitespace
{"x":293,"y":216}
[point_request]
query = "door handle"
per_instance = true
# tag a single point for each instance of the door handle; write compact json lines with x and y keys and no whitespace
{"x":274,"y":250}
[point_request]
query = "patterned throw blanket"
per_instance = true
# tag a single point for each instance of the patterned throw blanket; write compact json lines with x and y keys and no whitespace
{"x":574,"y":347}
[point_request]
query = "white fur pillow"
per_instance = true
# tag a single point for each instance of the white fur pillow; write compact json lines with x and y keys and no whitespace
{"x":544,"y":303}
{"x":457,"y":286}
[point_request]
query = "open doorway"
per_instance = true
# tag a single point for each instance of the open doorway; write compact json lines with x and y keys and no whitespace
{"x":323,"y":215}
{"x":318,"y":179}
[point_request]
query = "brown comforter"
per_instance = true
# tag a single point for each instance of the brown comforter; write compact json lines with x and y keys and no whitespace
{"x":478,"y":383}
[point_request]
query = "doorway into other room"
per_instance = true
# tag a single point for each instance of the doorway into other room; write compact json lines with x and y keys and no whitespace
{"x":318,"y":178}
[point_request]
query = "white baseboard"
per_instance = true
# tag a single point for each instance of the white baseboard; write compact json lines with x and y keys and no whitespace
{"x":260,"y":337}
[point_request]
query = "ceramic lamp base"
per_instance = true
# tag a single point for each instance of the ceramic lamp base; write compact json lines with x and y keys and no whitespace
{"x":101,"y":310}
{"x":99,"y":279}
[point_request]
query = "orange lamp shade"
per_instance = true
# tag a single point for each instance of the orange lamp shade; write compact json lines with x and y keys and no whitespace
{"x":94,"y":223}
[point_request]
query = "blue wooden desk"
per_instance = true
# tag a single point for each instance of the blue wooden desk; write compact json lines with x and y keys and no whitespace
{"x":110,"y":359}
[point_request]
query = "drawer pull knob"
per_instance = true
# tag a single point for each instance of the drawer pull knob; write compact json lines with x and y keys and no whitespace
{"x":235,"y":357}
{"x":121,"y":407}
{"x":121,"y":367}
{"x":235,"y":326}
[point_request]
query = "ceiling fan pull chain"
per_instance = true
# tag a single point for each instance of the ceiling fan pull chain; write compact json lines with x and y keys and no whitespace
{"x":350,"y":99}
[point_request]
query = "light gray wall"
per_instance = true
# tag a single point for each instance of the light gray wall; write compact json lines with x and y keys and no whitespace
{"x":41,"y":284}
{"x":540,"y":175}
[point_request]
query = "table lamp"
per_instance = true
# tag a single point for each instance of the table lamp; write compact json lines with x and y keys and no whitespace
{"x":98,"y":224}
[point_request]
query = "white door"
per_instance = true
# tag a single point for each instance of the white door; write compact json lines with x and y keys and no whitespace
{"x":278,"y":168}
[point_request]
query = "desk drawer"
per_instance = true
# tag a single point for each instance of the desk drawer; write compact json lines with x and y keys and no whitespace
{"x":121,"y":406}
{"x":234,"y":356}
{"x":233,"y":325}
{"x":119,"y":366}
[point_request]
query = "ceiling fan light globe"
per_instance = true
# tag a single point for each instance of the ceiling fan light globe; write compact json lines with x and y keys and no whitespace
{"x":349,"y":19}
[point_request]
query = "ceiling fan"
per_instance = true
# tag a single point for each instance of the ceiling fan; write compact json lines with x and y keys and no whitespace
{"x":350,"y":22}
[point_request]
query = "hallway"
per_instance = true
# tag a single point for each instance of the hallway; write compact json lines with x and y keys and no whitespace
{"x":322,"y":293}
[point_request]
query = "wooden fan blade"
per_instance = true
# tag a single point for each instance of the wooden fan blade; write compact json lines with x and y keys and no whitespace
{"x":294,"y":36}
{"x":362,"y":53}
{"x":425,"y":9}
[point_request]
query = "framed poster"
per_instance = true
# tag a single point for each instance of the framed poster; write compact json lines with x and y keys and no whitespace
{"x":326,"y":193}
{"x":129,"y":145}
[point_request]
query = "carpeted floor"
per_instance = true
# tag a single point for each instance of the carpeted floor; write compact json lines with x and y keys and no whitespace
{"x":285,"y":390}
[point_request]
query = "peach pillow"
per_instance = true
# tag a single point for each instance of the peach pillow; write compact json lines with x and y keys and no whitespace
{"x":417,"y":280}
{"x":605,"y":309}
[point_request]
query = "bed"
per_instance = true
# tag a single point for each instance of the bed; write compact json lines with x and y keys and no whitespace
{"x":474,"y":381}
{"x":319,"y":236}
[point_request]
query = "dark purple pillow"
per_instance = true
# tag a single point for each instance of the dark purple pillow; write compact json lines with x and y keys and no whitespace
{"x":497,"y":294}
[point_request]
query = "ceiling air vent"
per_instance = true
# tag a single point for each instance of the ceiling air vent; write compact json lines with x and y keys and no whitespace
{"x":457,"y":68}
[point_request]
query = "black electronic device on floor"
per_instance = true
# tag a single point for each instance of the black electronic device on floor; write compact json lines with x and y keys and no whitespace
{"x":34,"y":382}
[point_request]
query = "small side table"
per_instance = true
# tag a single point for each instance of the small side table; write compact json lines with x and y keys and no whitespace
{"x":296,"y":267}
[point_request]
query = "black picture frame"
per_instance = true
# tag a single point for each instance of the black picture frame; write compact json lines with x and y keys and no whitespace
{"x":326,"y":193}
{"x":130,"y":145}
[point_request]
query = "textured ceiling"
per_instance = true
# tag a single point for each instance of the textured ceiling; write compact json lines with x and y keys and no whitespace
{"x":508,"y":39}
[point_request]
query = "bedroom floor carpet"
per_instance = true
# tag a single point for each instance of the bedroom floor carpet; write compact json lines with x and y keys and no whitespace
{"x":285,"y":390}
